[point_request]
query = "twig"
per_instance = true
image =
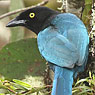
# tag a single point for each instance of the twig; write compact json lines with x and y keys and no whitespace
{"x":7,"y":86}
{"x":93,"y":4}
{"x":11,"y":90}
{"x":35,"y":89}
{"x":23,"y":9}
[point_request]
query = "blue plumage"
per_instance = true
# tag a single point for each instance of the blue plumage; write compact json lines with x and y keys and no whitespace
{"x":65,"y":44}
{"x":62,"y":40}
{"x":63,"y":80}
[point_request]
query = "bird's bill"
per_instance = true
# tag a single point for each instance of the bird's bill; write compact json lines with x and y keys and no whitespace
{"x":15,"y":22}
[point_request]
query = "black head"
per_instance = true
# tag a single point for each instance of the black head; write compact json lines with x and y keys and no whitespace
{"x":35,"y":19}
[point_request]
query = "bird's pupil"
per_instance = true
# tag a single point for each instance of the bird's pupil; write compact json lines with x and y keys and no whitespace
{"x":32,"y":15}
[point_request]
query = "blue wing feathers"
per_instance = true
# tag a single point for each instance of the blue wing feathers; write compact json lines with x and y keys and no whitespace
{"x":66,"y":46}
{"x":58,"y":49}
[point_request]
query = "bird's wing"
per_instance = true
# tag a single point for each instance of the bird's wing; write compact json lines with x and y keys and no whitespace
{"x":56,"y":48}
{"x":73,"y":28}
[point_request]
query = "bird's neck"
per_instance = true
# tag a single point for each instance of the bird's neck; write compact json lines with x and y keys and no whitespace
{"x":46,"y":23}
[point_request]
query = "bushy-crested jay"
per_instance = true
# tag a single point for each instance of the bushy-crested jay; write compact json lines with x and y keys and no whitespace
{"x":62,"y":40}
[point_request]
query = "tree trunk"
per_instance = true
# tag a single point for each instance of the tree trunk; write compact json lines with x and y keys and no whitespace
{"x":82,"y":8}
{"x":74,"y":6}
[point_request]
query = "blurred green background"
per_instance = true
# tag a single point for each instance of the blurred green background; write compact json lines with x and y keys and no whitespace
{"x":19,"y":55}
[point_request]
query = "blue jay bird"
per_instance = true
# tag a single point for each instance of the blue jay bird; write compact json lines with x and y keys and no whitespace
{"x":62,"y":40}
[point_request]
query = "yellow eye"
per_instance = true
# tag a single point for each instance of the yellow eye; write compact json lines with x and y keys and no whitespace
{"x":32,"y":15}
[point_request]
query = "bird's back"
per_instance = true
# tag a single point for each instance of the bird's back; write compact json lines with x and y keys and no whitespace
{"x":75,"y":31}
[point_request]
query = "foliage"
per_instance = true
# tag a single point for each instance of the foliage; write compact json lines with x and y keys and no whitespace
{"x":18,"y":87}
{"x":81,"y":87}
{"x":21,"y":58}
{"x":86,"y":15}
{"x":85,"y":86}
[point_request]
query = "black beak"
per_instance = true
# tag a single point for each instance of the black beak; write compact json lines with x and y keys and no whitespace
{"x":16,"y":22}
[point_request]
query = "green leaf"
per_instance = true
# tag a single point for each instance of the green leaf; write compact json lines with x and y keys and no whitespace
{"x":2,"y":86}
{"x":93,"y":77}
{"x":80,"y":81}
{"x":82,"y":87}
{"x":22,"y":83}
{"x":74,"y":91}
{"x":86,"y":16}
{"x":2,"y":94}
{"x":90,"y":76}
{"x":84,"y":92}
{"x":20,"y":59}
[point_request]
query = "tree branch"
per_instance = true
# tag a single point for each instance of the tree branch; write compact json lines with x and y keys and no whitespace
{"x":23,"y":9}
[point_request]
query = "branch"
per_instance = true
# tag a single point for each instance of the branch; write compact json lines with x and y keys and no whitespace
{"x":35,"y":89}
{"x":23,"y":9}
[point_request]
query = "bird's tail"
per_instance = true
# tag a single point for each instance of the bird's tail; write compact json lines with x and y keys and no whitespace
{"x":63,"y":80}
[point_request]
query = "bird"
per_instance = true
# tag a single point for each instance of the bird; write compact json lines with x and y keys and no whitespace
{"x":62,"y":40}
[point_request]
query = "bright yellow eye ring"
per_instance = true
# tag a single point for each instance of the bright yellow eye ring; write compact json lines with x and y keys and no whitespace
{"x":32,"y":15}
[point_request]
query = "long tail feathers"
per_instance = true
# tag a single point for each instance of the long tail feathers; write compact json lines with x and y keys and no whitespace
{"x":63,"y":80}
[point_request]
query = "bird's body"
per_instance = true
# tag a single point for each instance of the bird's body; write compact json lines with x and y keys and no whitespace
{"x":62,"y":41}
{"x":64,"y":44}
